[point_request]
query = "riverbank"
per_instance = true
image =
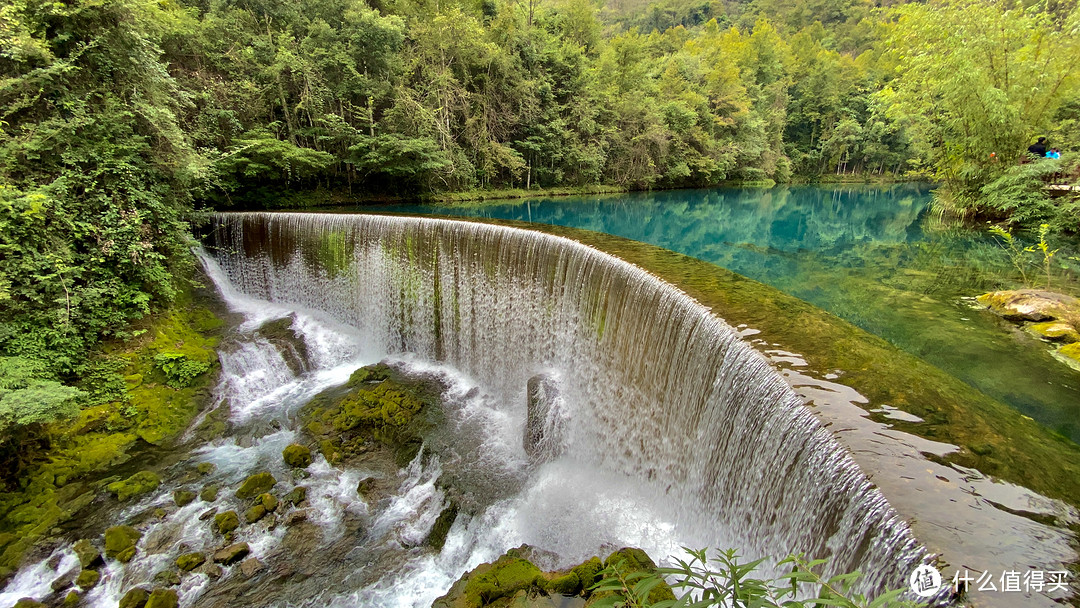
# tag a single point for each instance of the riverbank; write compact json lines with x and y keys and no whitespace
{"x":167,"y":372}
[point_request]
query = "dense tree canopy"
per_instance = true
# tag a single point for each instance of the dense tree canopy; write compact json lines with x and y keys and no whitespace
{"x":116,"y":116}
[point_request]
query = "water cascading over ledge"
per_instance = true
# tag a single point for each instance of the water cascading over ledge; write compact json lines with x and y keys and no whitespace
{"x":655,"y":385}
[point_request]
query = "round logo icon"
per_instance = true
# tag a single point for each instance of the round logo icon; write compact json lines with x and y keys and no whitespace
{"x":925,"y":581}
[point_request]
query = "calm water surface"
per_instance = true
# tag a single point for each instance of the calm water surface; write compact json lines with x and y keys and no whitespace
{"x":871,"y":255}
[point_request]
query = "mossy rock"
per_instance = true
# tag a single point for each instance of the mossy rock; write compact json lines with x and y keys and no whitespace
{"x":588,"y":572}
{"x":209,"y":493}
{"x":27,"y":602}
{"x":567,"y":584}
{"x":1057,"y":331}
{"x":267,"y":501}
{"x":88,"y":579}
{"x":189,"y":561}
{"x":297,"y":456}
{"x":167,"y":577}
{"x":205,"y":468}
{"x":138,"y":484}
{"x":182,"y":498}
{"x":489,"y":582}
{"x":120,"y":542}
{"x":255,"y":485}
{"x":378,"y":406}
{"x":1069,"y":355}
{"x":629,"y":560}
{"x":437,"y":537}
{"x":88,"y":554}
{"x":296,"y":496}
{"x":163,"y":598}
{"x":71,"y":599}
{"x":226,"y":522}
{"x":135,"y":597}
{"x":254,"y":514}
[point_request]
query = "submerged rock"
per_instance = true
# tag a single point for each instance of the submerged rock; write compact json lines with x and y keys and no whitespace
{"x":135,"y":598}
{"x":255,"y":485}
{"x":297,"y":456}
{"x":1069,"y":355}
{"x":120,"y":542}
{"x":138,"y":484}
{"x":232,"y":554}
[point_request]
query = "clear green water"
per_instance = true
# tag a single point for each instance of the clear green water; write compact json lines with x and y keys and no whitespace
{"x":873,"y":256}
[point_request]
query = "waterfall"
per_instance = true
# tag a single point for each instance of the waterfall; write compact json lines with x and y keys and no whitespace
{"x":651,"y":383}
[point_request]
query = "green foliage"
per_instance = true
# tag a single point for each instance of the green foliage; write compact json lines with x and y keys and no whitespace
{"x":724,"y":581}
{"x":28,"y":397}
{"x":179,"y":370}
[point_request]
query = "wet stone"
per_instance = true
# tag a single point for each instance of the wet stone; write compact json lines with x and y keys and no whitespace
{"x":232,"y":554}
{"x":365,"y":486}
{"x":71,"y":599}
{"x":205,"y":468}
{"x":136,"y":485}
{"x":29,"y":602}
{"x":250,"y":567}
{"x":167,"y":577}
{"x":207,"y":514}
{"x":64,"y":580}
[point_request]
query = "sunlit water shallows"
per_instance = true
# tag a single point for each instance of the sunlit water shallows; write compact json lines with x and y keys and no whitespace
{"x":871,"y":255}
{"x":673,"y":431}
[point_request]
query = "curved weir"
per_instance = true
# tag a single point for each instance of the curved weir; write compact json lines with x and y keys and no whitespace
{"x":654,"y":385}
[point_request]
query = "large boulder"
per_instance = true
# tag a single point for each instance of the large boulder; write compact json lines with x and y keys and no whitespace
{"x":378,"y":407}
{"x":289,"y":343}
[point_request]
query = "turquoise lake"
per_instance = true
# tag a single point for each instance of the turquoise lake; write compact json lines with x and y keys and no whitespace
{"x":874,"y":256}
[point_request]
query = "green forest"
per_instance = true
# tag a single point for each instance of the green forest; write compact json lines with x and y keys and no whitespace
{"x":118,"y":118}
